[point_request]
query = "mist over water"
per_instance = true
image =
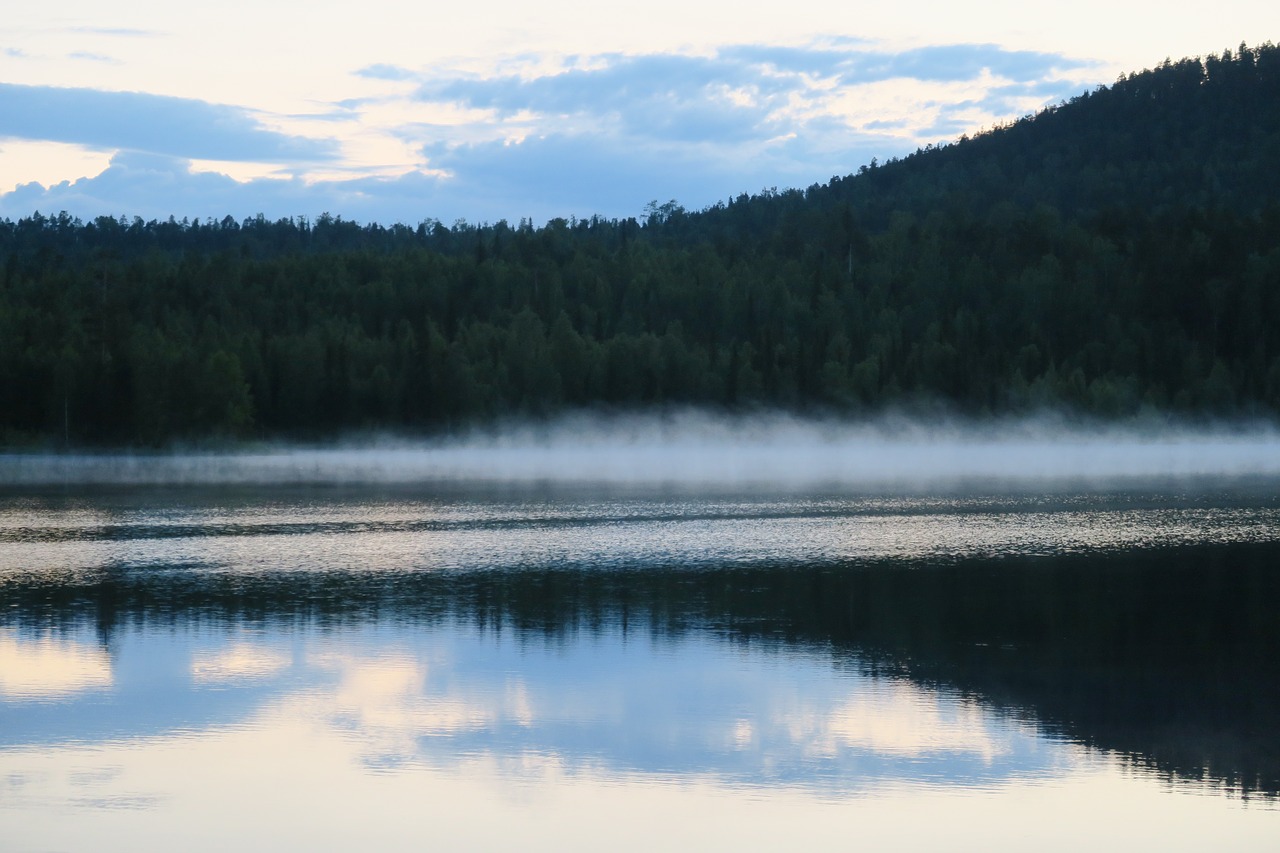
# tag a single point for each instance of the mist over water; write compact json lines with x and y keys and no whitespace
{"x":695,"y":448}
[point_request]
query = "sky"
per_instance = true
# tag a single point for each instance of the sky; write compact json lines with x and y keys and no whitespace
{"x":402,"y":111}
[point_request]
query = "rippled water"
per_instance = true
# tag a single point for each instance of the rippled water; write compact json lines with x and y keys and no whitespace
{"x":581,"y":668}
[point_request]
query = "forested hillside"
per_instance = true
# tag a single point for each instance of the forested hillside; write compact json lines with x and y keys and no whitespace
{"x":1116,"y":253}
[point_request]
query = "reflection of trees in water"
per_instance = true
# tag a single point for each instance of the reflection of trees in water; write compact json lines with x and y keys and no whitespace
{"x":1169,"y":657}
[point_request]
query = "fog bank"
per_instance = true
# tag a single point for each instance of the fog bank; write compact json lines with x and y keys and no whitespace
{"x":696,"y":448}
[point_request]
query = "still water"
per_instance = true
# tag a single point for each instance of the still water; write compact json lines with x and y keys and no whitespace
{"x":321,"y":667}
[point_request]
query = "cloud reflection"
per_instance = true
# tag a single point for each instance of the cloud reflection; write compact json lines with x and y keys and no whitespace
{"x":899,"y":718}
{"x":389,"y":703}
{"x":237,"y":663}
{"x":591,"y":706}
{"x":50,"y":667}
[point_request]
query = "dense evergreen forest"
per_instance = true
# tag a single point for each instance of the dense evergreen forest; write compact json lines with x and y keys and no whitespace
{"x":1115,"y":254}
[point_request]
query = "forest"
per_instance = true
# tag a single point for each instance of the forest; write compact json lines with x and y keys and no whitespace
{"x":1115,"y":255}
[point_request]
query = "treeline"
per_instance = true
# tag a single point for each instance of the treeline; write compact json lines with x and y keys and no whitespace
{"x":1116,"y":253}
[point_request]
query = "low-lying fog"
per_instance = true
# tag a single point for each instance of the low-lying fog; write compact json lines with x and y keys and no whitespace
{"x":694,"y":448}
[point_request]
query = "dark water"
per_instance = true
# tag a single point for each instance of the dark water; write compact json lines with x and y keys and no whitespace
{"x":538,"y":668}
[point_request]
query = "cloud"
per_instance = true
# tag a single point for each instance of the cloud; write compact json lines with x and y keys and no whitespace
{"x":540,"y":178}
{"x":544,"y":137}
{"x":699,"y":128}
{"x":672,"y":97}
{"x":158,"y":124}
{"x":132,"y":183}
{"x":886,"y":124}
{"x":1013,"y":99}
{"x":381,"y":71}
{"x":949,"y":63}
{"x":944,"y":129}
{"x":156,"y":187}
{"x":855,"y":64}
{"x":665,"y":96}
{"x":123,"y":32}
{"x":563,"y":174}
{"x":818,"y":61}
{"x":741,"y":92}
{"x":93,"y":57}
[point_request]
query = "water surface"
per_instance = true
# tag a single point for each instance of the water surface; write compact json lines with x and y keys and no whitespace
{"x":640,"y":668}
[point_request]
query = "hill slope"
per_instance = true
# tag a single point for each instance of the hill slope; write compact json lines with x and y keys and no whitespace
{"x":1114,"y":253}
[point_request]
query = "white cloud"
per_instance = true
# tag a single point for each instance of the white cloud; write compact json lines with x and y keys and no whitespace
{"x":547,"y":136}
{"x":157,"y":124}
{"x":555,"y":111}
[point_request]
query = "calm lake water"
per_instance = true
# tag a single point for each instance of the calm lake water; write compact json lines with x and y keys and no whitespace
{"x":534,"y":666}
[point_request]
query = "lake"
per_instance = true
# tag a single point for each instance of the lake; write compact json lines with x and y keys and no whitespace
{"x":536,"y":665}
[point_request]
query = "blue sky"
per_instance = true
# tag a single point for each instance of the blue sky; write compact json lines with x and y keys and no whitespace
{"x":410,"y":111}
